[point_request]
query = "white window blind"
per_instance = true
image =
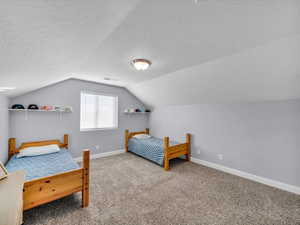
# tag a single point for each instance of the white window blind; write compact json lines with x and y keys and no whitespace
{"x":98,"y":111}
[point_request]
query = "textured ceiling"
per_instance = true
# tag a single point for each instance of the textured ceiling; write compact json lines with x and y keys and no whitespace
{"x":214,"y":51}
{"x":43,"y":41}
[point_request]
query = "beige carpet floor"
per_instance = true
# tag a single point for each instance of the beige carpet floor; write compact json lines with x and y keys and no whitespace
{"x":127,"y":189}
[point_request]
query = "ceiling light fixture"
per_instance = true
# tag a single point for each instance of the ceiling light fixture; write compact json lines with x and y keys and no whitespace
{"x":141,"y":64}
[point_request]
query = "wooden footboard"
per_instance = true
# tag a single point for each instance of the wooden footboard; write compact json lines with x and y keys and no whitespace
{"x":170,"y":152}
{"x":175,"y":151}
{"x":46,"y":189}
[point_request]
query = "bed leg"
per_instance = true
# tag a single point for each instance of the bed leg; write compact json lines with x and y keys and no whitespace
{"x":86,"y":178}
{"x":188,"y":141}
{"x":166,"y":164}
{"x":126,"y":140}
{"x":166,"y":159}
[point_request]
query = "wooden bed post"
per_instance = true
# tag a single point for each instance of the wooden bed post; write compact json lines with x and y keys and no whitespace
{"x":188,"y":142}
{"x":126,"y":140}
{"x":166,"y":159}
{"x":11,"y":147}
{"x":147,"y":131}
{"x":66,"y":141}
{"x":86,"y":178}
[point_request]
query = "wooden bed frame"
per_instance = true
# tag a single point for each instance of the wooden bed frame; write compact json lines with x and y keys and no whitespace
{"x":170,"y":152}
{"x":46,"y":189}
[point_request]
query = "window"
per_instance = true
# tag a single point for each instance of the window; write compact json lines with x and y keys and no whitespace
{"x":98,"y":111}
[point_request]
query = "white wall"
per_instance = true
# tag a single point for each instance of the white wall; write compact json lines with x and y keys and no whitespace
{"x":4,"y":128}
{"x":264,"y":73}
{"x":48,"y":125}
{"x":258,"y":138}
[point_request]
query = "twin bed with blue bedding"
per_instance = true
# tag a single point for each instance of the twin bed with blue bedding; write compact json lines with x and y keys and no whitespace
{"x":155,"y":149}
{"x":150,"y":148}
{"x":51,"y":172}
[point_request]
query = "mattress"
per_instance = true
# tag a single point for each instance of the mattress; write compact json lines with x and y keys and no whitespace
{"x":149,"y":148}
{"x":43,"y":165}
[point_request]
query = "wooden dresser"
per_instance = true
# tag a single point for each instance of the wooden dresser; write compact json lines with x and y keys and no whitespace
{"x":11,"y":199}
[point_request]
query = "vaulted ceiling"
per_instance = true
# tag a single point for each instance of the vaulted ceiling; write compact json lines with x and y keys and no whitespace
{"x":210,"y":51}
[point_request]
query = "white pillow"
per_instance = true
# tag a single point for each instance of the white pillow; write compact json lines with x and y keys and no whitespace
{"x":40,"y":150}
{"x":142,"y":136}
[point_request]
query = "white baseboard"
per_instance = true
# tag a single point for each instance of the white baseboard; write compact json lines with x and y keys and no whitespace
{"x":266,"y":181}
{"x":101,"y":155}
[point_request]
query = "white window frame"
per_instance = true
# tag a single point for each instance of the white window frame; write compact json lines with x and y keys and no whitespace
{"x":116,"y":111}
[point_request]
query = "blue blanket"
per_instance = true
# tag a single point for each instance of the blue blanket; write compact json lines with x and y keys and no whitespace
{"x":149,"y":148}
{"x":43,"y":165}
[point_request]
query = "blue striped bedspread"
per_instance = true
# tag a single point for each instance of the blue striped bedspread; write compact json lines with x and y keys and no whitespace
{"x":150,"y":148}
{"x":43,"y":165}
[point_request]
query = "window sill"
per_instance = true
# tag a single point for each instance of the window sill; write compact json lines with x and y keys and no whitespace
{"x":98,"y":129}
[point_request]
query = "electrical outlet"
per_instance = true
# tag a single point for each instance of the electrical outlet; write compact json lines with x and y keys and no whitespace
{"x":97,"y":147}
{"x":198,"y":151}
{"x":220,"y":156}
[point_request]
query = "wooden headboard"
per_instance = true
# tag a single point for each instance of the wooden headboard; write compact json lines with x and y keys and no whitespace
{"x":12,"y":149}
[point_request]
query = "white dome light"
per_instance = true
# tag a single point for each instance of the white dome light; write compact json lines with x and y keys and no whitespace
{"x":141,"y":64}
